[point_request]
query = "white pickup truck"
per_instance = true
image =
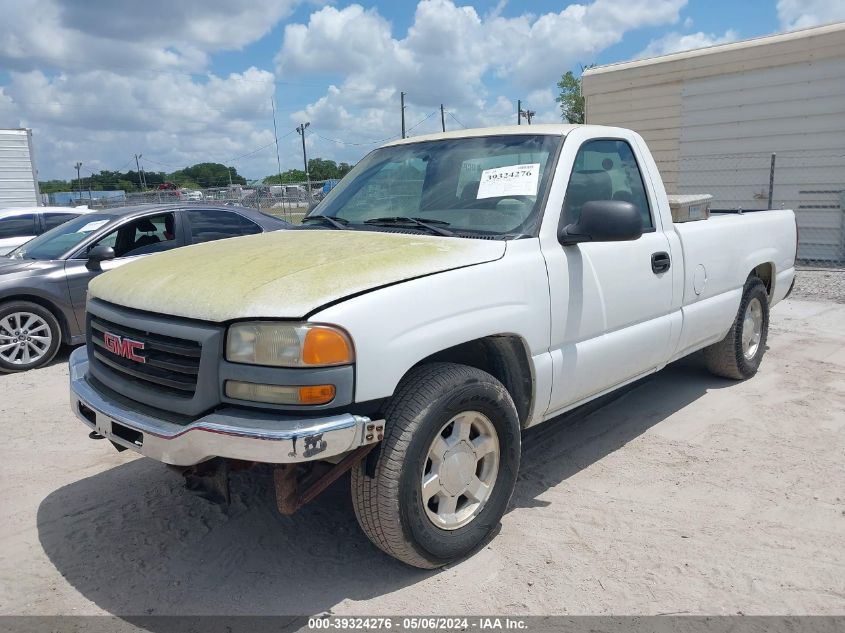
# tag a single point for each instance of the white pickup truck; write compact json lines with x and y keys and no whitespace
{"x":450,"y":292}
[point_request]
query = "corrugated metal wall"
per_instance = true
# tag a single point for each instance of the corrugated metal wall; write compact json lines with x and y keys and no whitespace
{"x":714,"y":117}
{"x":654,"y":112}
{"x":796,"y":111}
{"x":18,"y":184}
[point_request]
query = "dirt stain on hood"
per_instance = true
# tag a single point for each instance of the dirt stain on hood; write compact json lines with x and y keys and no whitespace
{"x":285,"y":274}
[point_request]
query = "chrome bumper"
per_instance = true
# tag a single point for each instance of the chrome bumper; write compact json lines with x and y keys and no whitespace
{"x":230,"y":432}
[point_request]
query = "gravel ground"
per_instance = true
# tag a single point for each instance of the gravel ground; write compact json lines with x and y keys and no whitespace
{"x":689,"y":494}
{"x":820,"y":284}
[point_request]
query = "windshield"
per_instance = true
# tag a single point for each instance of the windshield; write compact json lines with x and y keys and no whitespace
{"x":58,"y":241}
{"x":488,"y":185}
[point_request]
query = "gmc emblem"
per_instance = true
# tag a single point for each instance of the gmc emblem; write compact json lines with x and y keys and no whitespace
{"x":125,"y":347}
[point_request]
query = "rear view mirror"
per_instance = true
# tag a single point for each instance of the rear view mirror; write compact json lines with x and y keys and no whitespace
{"x":604,"y":221}
{"x":98,"y":255}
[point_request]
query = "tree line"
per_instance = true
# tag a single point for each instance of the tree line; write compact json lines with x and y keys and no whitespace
{"x":199,"y":176}
{"x":318,"y":169}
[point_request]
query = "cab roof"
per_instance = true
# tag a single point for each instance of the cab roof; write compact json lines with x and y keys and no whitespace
{"x":553,"y":129}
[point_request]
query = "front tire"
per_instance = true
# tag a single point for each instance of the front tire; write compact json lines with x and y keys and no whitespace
{"x":447,"y":466}
{"x":739,"y":354}
{"x":30,"y":336}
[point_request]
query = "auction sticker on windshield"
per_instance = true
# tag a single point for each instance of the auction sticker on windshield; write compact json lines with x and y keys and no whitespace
{"x":514,"y":180}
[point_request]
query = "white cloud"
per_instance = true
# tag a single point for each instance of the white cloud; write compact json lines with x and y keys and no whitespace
{"x":98,"y":81}
{"x":448,"y":55}
{"x":102,"y":118}
{"x":799,"y":14}
{"x":677,"y":42}
{"x":124,"y":35}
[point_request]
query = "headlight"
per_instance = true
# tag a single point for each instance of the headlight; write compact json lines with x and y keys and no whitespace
{"x":288,"y":345}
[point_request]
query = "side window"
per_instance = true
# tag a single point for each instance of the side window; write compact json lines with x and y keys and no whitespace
{"x":17,"y":226}
{"x":605,"y":170}
{"x":212,"y":224}
{"x":152,"y":234}
{"x":52,"y":220}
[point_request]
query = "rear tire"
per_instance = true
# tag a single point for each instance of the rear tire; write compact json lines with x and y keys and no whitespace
{"x":30,"y":336}
{"x":446,"y":469}
{"x":739,"y":354}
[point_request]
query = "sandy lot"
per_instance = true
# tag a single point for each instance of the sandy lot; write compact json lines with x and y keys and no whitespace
{"x":688,"y":494}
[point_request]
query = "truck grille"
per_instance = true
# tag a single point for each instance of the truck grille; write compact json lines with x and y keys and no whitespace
{"x":170,"y":365}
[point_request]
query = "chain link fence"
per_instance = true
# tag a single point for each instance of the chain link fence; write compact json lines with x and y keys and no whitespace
{"x":290,"y":201}
{"x":810,"y":183}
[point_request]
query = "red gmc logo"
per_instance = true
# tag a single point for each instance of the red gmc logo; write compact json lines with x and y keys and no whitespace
{"x":124,"y":347}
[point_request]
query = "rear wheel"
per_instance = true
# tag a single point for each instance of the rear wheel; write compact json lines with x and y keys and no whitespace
{"x":447,"y":466}
{"x":30,"y":336}
{"x":740,"y":353}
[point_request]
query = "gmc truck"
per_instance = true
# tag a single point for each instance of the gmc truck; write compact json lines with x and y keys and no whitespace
{"x":451,"y":291}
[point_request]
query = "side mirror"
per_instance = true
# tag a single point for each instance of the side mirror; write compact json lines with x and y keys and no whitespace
{"x":604,"y":221}
{"x":98,"y":255}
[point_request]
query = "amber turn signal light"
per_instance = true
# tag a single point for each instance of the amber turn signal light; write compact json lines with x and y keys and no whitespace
{"x":326,"y":346}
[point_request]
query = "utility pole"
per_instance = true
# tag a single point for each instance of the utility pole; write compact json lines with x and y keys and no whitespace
{"x":442,"y":118}
{"x":402,"y":103}
{"x":138,"y":165}
{"x":301,"y":131}
{"x":78,"y":178}
{"x":528,"y":114}
{"x":276,"y":136}
{"x":519,"y":112}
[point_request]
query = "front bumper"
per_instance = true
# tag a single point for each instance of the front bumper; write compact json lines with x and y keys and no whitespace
{"x":230,"y":432}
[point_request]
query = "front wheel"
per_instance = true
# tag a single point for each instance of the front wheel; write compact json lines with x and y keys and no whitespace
{"x":30,"y":336}
{"x":447,"y":467}
{"x":740,"y":353}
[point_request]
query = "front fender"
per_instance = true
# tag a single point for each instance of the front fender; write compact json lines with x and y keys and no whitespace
{"x":396,"y":327}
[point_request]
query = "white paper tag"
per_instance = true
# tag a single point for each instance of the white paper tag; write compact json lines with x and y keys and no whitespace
{"x":515,"y":180}
{"x":92,"y":226}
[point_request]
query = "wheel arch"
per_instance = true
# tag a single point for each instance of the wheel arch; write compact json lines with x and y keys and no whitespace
{"x":505,"y":357}
{"x":766,"y":273}
{"x":47,"y":305}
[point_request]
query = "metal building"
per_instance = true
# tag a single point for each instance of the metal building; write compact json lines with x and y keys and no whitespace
{"x":714,"y":116}
{"x":18,"y":178}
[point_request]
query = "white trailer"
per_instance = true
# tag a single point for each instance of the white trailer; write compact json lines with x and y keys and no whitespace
{"x":18,"y":177}
{"x":714,"y":116}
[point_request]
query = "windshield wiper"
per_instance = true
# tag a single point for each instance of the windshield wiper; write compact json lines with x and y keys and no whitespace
{"x":338,"y":223}
{"x":431,"y":225}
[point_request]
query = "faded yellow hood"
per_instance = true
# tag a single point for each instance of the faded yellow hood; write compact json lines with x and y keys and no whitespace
{"x":285,"y":274}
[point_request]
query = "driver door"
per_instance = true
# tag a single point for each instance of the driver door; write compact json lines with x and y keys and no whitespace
{"x":136,"y":238}
{"x":611,"y":305}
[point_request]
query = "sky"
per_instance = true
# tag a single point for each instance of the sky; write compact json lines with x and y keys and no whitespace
{"x":190,"y":81}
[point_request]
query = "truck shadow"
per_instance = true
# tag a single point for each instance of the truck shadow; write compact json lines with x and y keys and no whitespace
{"x":134,"y":542}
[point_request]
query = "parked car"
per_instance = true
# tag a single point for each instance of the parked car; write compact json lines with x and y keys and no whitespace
{"x":192,"y":195}
{"x":464,"y":286}
{"x":43,"y":283}
{"x":18,"y":225}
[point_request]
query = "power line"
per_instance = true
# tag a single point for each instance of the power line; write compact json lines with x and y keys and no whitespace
{"x":158,"y":162}
{"x":255,"y":151}
{"x":373,"y":142}
{"x":456,"y":120}
{"x":339,"y":142}
{"x":422,"y":120}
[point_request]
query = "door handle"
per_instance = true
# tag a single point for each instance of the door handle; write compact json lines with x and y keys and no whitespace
{"x":660,"y":262}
